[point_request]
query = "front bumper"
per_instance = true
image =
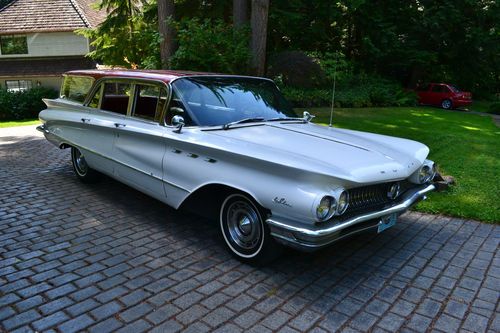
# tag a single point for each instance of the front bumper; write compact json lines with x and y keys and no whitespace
{"x":461,"y":102}
{"x":312,"y":237}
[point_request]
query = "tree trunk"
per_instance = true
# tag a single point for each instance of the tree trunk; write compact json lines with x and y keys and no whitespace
{"x":166,"y":10}
{"x":240,"y":13}
{"x":260,"y":10}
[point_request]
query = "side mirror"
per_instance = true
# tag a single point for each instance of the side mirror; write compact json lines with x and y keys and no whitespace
{"x":176,"y":109}
{"x":307,"y":116}
{"x":178,"y":122}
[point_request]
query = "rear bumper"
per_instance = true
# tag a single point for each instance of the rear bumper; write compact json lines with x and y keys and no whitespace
{"x":312,"y":237}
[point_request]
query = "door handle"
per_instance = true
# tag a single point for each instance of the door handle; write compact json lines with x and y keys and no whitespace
{"x":85,"y":120}
{"x":118,"y":125}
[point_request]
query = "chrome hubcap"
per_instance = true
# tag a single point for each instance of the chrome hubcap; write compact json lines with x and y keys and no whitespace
{"x":243,"y":224}
{"x":80,"y":163}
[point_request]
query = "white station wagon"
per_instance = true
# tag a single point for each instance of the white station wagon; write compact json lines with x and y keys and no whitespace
{"x":232,"y":148}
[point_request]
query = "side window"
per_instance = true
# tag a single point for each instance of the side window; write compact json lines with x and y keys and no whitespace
{"x":76,"y":88}
{"x":150,"y":101}
{"x":116,"y":97}
{"x":176,"y":107}
{"x":437,"y":88}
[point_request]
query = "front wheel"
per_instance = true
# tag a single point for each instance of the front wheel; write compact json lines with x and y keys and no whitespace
{"x":446,"y":104}
{"x":82,"y":169}
{"x":245,"y":232}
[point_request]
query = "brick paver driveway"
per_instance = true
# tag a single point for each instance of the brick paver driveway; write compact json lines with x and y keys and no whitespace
{"x":105,"y":257}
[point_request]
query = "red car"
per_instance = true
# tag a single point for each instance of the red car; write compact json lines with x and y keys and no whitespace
{"x":445,"y":95}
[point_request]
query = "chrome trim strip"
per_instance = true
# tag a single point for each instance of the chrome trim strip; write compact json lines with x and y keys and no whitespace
{"x":317,"y":232}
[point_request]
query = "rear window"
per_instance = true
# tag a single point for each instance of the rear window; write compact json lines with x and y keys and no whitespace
{"x":76,"y":88}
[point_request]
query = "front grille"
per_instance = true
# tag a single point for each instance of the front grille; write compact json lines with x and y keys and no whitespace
{"x":367,"y":197}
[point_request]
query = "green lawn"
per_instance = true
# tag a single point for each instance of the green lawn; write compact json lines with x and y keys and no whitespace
{"x":24,"y":122}
{"x":466,"y":146}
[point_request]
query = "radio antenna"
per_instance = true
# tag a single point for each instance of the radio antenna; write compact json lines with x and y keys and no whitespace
{"x":333,"y":90}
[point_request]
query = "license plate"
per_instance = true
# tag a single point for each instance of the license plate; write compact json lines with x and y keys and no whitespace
{"x":387,"y":221}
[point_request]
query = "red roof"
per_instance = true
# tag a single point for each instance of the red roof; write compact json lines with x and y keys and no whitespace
{"x":161,"y":75}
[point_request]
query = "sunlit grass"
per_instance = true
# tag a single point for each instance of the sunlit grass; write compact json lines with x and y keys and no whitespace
{"x":24,"y":122}
{"x":465,"y":146}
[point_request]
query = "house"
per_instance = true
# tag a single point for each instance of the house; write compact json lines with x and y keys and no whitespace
{"x":38,"y":41}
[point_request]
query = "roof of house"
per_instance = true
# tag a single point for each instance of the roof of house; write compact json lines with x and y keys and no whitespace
{"x":42,"y":67}
{"x":24,"y":16}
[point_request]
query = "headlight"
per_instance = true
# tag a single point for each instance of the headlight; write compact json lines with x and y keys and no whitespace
{"x":343,"y":203}
{"x":326,"y":208}
{"x":426,"y":173}
{"x":394,"y":191}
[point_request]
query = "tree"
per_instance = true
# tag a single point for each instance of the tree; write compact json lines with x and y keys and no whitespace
{"x":260,"y":10}
{"x":127,"y":37}
{"x":240,"y":13}
{"x":166,"y":10}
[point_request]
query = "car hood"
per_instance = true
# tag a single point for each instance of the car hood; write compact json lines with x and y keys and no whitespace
{"x":357,"y":157}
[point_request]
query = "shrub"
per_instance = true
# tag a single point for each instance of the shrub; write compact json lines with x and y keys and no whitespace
{"x":211,"y":46}
{"x":24,"y":104}
{"x":494,"y":108}
{"x":363,"y":95}
{"x":296,"y":69}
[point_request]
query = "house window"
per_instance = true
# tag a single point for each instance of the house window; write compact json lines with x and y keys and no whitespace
{"x":18,"y":85}
{"x":13,"y":45}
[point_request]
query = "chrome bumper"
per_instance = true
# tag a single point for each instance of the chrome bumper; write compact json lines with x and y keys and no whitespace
{"x":312,"y":237}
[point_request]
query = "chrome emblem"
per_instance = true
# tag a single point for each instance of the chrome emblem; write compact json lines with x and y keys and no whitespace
{"x":281,"y":201}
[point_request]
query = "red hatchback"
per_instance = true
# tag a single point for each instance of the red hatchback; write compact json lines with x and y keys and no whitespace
{"x":445,"y":95}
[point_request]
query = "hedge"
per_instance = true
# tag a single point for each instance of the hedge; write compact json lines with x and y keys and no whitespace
{"x":26,"y":104}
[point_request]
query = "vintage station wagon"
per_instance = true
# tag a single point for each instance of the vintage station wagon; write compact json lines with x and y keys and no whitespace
{"x":232,"y":148}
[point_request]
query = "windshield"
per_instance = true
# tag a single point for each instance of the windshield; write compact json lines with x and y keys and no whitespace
{"x":212,"y":101}
{"x":454,"y":88}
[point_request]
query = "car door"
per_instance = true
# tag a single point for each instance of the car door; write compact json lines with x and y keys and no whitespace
{"x":139,"y":146}
{"x":108,"y":108}
{"x":438,"y":91}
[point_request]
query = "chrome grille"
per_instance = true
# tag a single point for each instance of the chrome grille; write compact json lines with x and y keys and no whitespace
{"x":368,"y":196}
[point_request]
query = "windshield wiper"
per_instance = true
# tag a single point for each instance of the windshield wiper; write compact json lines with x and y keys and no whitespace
{"x":287,"y":119}
{"x":242,"y":121}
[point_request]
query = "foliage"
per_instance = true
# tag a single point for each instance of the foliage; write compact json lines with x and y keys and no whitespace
{"x":296,"y":69}
{"x":128,"y":37}
{"x":452,"y":41}
{"x":212,"y":46}
{"x":355,"y":90}
{"x":455,"y":41}
{"x":494,"y":108}
{"x":24,"y":104}
{"x":464,"y":146}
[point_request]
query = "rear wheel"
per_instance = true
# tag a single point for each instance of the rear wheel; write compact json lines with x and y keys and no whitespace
{"x":82,"y":169}
{"x":245,"y":233}
{"x":446,"y":104}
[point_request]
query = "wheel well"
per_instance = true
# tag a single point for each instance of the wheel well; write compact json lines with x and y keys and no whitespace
{"x":206,"y":200}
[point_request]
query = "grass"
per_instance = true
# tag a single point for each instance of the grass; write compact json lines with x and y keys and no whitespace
{"x":481,"y":106}
{"x":23,"y":122}
{"x":465,"y":146}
